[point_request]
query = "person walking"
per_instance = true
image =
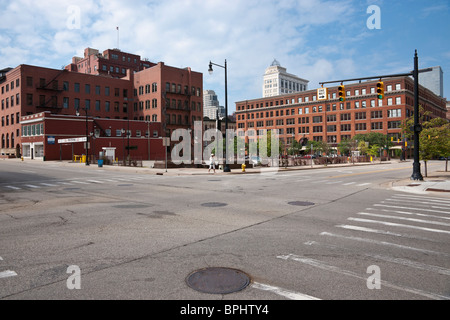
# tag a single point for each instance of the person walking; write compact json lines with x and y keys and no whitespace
{"x":212,"y":164}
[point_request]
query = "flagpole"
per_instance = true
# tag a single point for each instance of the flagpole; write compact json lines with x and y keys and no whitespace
{"x":117,"y":37}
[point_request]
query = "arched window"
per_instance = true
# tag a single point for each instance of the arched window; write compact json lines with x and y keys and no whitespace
{"x":7,"y":140}
{"x":3,"y":140}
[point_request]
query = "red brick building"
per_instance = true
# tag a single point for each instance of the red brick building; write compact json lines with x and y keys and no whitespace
{"x":302,"y":115}
{"x":113,"y":85}
{"x":41,"y":136}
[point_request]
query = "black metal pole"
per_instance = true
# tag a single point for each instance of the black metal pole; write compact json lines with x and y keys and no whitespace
{"x":128,"y":139}
{"x":417,"y":128}
{"x":226,"y":167}
{"x":87,"y":138}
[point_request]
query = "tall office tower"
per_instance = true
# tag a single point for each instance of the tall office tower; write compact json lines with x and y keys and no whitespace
{"x":211,"y":105}
{"x":433,"y":80}
{"x":277,"y":81}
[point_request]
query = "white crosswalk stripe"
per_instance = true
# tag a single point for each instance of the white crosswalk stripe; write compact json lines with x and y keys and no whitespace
{"x":384,"y":227}
{"x":12,"y":187}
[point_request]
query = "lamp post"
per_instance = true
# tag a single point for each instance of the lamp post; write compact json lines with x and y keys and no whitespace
{"x":226,"y":167}
{"x":87,"y":134}
{"x":417,"y":128}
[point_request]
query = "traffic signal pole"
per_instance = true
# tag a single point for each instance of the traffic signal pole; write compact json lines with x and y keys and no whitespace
{"x":417,"y":128}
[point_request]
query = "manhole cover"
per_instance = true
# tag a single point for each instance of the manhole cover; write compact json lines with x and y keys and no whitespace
{"x":218,"y":280}
{"x":301,"y":203}
{"x":214,"y":204}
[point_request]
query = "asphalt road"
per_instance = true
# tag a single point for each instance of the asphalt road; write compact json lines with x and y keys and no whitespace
{"x":329,"y":234}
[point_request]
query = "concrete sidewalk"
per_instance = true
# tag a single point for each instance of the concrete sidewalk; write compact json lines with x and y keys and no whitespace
{"x":438,"y":181}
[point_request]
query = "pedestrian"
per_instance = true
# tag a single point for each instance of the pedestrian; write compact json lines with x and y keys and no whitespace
{"x":212,"y":164}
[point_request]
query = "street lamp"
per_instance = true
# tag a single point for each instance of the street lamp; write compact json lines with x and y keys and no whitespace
{"x":87,"y":134}
{"x":226,"y":167}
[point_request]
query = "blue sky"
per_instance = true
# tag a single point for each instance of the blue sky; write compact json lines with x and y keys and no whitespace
{"x":319,"y":40}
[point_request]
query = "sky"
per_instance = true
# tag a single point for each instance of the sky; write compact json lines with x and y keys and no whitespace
{"x":317,"y":40}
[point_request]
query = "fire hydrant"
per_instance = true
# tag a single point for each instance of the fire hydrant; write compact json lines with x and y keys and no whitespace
{"x":243,"y":167}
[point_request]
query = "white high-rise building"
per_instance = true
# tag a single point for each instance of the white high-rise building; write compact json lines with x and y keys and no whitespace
{"x":211,"y":105}
{"x":433,"y":80}
{"x":277,"y":81}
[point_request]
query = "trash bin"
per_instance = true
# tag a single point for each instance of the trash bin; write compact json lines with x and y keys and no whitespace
{"x":100,"y":163}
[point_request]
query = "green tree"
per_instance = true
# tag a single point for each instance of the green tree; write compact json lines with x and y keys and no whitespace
{"x":345,"y":147}
{"x":319,"y":147}
{"x":433,"y":139}
{"x":373,"y":150}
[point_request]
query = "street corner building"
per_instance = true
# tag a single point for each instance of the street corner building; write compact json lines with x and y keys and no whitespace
{"x":304,"y":116}
{"x":112,"y":100}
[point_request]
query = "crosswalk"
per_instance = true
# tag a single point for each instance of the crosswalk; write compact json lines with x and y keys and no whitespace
{"x":309,"y":180}
{"x":394,"y":232}
{"x":70,"y":182}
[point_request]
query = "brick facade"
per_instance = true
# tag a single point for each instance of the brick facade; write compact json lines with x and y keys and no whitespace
{"x":137,"y":90}
{"x":301,"y":115}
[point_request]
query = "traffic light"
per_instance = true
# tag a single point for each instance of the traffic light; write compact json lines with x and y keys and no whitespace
{"x":380,"y":90}
{"x":341,"y":93}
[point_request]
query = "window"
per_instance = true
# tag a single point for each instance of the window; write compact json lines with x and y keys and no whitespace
{"x":346,"y":127}
{"x":87,"y":88}
{"x":377,"y":125}
{"x":360,"y":115}
{"x":317,"y":129}
{"x":346,"y":116}
{"x":77,"y":87}
{"x":317,"y":119}
{"x":398,"y":100}
{"x":394,"y":124}
{"x":377,"y":114}
{"x":394,"y":113}
{"x":389,"y":101}
{"x":331,"y":128}
{"x":65,"y":102}
{"x":398,"y":86}
{"x":360,"y":126}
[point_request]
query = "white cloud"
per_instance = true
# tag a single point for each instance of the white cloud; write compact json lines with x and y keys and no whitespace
{"x":304,"y":35}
